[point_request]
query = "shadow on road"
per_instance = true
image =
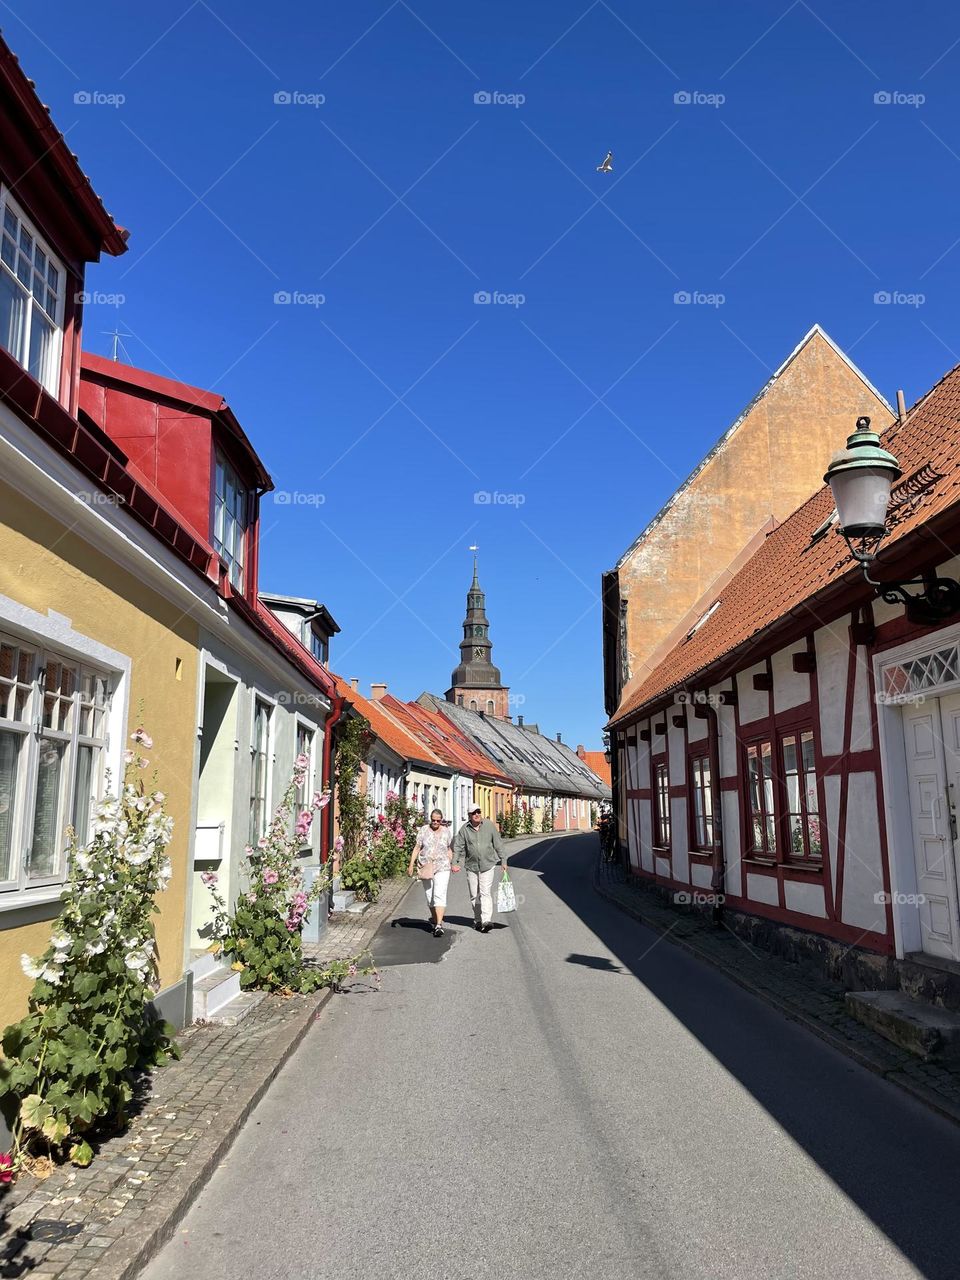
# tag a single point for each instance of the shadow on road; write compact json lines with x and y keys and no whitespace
{"x":897,"y":1161}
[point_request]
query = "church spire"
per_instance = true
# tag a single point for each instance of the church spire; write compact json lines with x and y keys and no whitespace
{"x":476,"y":683}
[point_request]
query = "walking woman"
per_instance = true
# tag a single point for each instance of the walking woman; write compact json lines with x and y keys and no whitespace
{"x":431,"y":858}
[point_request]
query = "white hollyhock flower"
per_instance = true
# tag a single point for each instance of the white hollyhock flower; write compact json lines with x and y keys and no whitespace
{"x":61,"y":941}
{"x":51,"y":975}
{"x":95,"y":948}
{"x":136,"y":961}
{"x":31,"y":969}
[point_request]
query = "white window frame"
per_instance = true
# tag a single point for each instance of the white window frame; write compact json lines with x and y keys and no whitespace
{"x":270,"y":704}
{"x":52,"y":635}
{"x":229,"y":530}
{"x":50,"y":377}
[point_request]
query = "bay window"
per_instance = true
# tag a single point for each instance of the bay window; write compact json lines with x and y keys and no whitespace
{"x":231,"y":516}
{"x":32,"y":286}
{"x":53,"y":734}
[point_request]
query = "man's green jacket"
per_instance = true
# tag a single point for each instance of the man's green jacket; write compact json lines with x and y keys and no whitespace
{"x":480,"y":848}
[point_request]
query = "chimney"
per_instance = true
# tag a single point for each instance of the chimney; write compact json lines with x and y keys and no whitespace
{"x":558,"y":737}
{"x":901,"y":407}
{"x":580,"y":751}
{"x":520,"y":721}
{"x":355,"y":683}
{"x":377,"y":691}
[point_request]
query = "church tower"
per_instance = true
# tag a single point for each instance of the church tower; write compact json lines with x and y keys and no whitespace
{"x":475,"y":684}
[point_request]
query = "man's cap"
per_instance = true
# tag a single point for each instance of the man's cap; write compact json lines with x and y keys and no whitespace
{"x":474,"y":809}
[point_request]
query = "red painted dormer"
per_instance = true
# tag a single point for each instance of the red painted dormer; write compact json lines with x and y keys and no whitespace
{"x":191,"y":450}
{"x":52,"y":224}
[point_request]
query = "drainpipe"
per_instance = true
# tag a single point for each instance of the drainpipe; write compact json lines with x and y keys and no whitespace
{"x":337,"y":705}
{"x":718,"y":880}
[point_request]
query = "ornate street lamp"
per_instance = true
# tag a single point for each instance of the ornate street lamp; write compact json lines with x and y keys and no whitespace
{"x":861,"y":477}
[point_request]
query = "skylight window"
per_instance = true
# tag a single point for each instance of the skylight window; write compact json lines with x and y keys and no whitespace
{"x":823,"y":529}
{"x":702,"y":619}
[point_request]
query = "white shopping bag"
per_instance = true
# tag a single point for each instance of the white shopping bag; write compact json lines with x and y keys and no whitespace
{"x":506,"y":898}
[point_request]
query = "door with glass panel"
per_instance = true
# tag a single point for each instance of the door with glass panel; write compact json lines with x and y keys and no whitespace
{"x":931,"y":733}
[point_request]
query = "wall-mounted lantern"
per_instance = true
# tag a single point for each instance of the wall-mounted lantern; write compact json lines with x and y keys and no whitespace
{"x":861,"y":477}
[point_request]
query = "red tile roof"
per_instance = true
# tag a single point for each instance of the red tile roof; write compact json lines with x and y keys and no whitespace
{"x":596,"y":762}
{"x":396,"y":737}
{"x":445,"y":739}
{"x":793,"y":584}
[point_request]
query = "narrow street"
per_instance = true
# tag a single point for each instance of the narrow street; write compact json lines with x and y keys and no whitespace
{"x":570,"y":1096}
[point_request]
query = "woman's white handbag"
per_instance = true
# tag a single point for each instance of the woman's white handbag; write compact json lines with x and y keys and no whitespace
{"x":506,"y":898}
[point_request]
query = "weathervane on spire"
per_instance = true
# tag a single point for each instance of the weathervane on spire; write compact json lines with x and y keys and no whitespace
{"x":474,"y":548}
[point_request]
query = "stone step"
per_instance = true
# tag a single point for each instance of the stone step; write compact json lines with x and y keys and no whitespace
{"x":343,"y":898}
{"x":923,"y":1029}
{"x":213,"y":991}
{"x":203,"y":963}
{"x":236,"y":1010}
{"x":357,"y":908}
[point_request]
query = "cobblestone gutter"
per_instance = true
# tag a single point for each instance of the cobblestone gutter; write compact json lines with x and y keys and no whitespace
{"x":797,"y":990}
{"x":109,"y":1220}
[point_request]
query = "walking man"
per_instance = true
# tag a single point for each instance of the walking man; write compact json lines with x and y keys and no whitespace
{"x":479,"y":848}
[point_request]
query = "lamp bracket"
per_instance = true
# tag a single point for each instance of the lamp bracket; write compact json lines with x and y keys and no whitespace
{"x":938,"y":599}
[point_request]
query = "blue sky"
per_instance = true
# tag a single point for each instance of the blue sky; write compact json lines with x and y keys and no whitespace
{"x":389,"y":405}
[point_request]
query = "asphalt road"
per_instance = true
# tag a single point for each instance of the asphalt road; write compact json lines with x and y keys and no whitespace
{"x":570,"y":1096}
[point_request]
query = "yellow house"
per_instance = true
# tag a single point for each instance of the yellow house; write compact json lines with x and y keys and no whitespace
{"x":97,"y":610}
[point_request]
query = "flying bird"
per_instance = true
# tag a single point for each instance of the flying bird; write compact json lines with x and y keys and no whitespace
{"x":607,"y":166}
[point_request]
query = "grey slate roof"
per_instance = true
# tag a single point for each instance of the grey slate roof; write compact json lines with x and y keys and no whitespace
{"x":533,"y":761}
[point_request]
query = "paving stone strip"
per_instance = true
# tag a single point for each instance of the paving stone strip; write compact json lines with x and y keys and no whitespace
{"x":109,"y":1220}
{"x":796,"y":990}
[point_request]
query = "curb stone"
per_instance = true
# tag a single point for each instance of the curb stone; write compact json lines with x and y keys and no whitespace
{"x":931,"y":1098}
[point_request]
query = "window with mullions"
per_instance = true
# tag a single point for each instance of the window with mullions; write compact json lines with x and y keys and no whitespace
{"x":760,"y":794}
{"x":800,"y":785}
{"x":305,"y":789}
{"x":702,"y":795}
{"x":259,"y":769}
{"x":231,"y":505}
{"x":32,"y":283}
{"x":661,"y":798}
{"x":53,"y":733}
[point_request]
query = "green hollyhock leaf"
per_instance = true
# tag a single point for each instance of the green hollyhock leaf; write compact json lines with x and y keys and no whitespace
{"x":81,"y":1153}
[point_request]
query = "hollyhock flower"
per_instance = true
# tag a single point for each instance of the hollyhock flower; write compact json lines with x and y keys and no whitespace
{"x":95,"y":948}
{"x":166,"y":872}
{"x":302,"y":761}
{"x":209,"y":878}
{"x":270,"y":876}
{"x":262,"y":842}
{"x":128,"y":757}
{"x":52,"y":975}
{"x":320,"y":799}
{"x":338,"y":845}
{"x":31,"y":969}
{"x":6,"y":1169}
{"x":60,"y":940}
{"x":142,"y":738}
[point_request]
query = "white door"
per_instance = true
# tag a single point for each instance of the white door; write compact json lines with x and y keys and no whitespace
{"x":933,"y":757}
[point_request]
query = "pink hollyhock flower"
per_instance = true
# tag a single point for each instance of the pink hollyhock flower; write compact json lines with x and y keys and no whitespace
{"x":302,"y":761}
{"x":304,"y":820}
{"x":270,"y":876}
{"x":392,"y":795}
{"x":262,"y":842}
{"x":209,"y":878}
{"x":338,"y":845}
{"x":143,"y":738}
{"x":251,"y":897}
{"x":381,"y":817}
{"x":6,"y":1168}
{"x":320,"y":799}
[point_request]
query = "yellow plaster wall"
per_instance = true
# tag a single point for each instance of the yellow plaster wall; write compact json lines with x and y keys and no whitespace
{"x":45,"y":566}
{"x":773,"y":462}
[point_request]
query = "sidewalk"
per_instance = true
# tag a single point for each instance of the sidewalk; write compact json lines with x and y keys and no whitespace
{"x":798,"y":992}
{"x":107,"y":1221}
